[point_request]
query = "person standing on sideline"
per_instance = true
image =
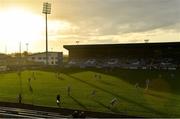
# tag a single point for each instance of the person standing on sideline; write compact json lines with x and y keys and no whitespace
{"x":82,"y":115}
{"x":58,"y":100}
{"x":75,"y":114}
{"x":20,"y":98}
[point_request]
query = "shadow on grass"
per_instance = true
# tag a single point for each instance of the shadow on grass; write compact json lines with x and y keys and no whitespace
{"x":105,"y":106}
{"x":100,"y":103}
{"x":153,"y":111}
{"x":156,"y":95}
{"x":140,"y":76}
{"x":65,"y":70}
{"x":78,"y":102}
{"x":61,"y":78}
{"x":105,"y":83}
{"x":163,"y":97}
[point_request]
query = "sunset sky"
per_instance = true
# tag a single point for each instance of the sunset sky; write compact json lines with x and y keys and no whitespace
{"x":87,"y":21}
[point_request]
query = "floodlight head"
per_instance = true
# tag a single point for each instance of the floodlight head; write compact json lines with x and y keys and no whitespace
{"x":46,"y":8}
{"x":146,"y":40}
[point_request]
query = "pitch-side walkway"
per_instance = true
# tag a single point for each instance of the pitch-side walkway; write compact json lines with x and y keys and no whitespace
{"x":16,"y":110}
{"x":9,"y":112}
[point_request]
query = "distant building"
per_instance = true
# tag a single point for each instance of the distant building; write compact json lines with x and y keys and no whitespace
{"x":54,"y":58}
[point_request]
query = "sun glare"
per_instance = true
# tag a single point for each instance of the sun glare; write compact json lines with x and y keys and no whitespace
{"x":20,"y":25}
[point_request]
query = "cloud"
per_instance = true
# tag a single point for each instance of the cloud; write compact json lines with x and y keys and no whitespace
{"x":106,"y":21}
{"x":118,"y":16}
{"x":108,"y":17}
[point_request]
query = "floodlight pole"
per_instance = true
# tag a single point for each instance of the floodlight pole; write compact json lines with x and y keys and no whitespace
{"x":6,"y":49}
{"x":46,"y":41}
{"x":19,"y":72}
{"x":46,"y":10}
{"x":27,"y":47}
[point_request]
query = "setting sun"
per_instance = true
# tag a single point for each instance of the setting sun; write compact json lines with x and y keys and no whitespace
{"x":20,"y":25}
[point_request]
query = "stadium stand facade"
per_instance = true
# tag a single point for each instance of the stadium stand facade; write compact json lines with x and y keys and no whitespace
{"x":128,"y":56}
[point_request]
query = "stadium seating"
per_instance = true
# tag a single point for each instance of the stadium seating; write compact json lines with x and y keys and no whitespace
{"x":125,"y":63}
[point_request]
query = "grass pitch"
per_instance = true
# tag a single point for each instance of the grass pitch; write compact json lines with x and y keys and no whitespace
{"x":95,"y":89}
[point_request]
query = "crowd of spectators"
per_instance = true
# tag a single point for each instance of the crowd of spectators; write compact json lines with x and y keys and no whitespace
{"x":126,"y":63}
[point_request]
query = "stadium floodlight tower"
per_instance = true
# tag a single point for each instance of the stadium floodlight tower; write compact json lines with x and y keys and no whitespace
{"x":46,"y":11}
{"x":27,"y":47}
{"x":146,"y":40}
